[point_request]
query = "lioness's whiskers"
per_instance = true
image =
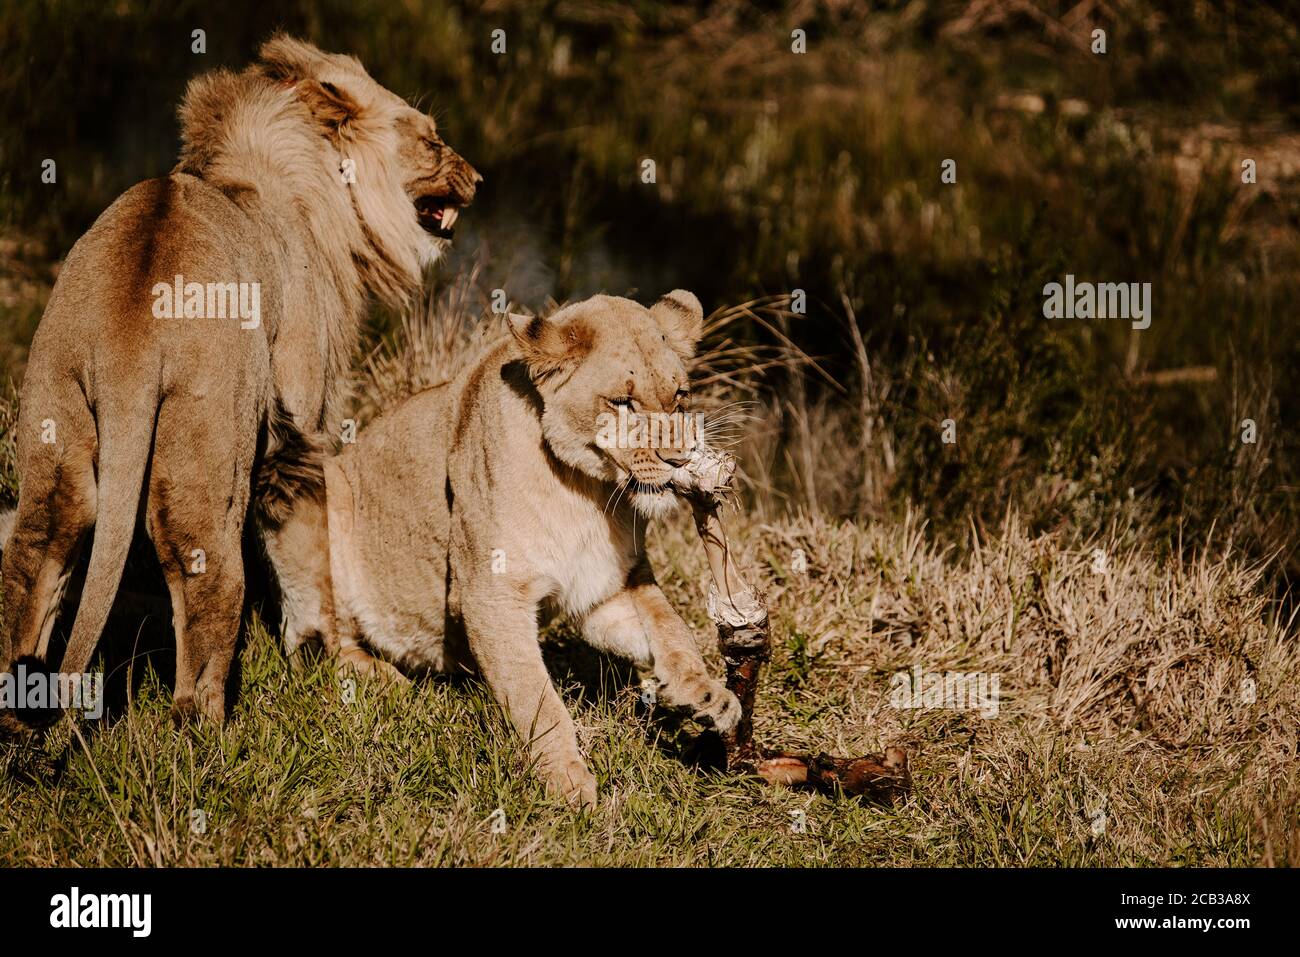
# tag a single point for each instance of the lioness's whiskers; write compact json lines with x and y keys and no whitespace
{"x":617,"y":490}
{"x":623,"y":487}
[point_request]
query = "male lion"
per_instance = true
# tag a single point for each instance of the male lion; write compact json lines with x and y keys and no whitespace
{"x":457,"y":513}
{"x":304,"y":185}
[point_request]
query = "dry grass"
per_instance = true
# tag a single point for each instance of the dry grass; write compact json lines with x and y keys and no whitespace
{"x":1163,"y":692}
{"x":1122,"y":735}
{"x":1160,"y":692}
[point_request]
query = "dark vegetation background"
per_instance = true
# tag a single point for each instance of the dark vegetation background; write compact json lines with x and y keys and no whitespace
{"x":819,"y":171}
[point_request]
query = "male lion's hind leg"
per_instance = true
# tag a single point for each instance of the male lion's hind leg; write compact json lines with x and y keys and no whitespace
{"x":640,"y":624}
{"x":195,"y":516}
{"x":207,"y":597}
{"x":55,"y":512}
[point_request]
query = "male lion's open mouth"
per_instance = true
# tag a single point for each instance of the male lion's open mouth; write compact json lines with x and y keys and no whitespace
{"x":437,"y":215}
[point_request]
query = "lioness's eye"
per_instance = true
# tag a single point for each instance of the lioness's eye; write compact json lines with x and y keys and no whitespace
{"x":623,"y":400}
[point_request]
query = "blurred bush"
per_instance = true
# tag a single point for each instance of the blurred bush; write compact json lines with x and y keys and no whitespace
{"x":778,"y":171}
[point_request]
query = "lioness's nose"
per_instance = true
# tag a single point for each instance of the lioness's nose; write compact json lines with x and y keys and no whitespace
{"x":674,"y":457}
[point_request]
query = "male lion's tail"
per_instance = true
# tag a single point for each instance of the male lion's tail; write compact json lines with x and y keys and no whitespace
{"x":125,"y":420}
{"x":292,"y":467}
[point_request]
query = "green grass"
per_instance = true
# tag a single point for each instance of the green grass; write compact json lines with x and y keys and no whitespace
{"x":819,"y":171}
{"x":399,"y":778}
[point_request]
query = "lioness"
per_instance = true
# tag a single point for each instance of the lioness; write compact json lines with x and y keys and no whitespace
{"x":303,"y":185}
{"x":457,"y":513}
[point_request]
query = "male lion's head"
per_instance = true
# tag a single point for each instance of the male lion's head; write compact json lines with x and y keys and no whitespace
{"x":370,"y":172}
{"x":614,"y":388}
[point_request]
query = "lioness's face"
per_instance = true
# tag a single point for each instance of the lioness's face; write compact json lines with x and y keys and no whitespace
{"x":615,"y":392}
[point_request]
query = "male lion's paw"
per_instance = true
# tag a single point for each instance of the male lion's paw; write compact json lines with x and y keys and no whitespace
{"x":719,"y":708}
{"x":184,"y":711}
{"x":570,"y":780}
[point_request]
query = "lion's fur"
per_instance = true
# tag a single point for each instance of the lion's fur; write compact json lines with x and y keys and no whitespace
{"x":276,"y":146}
{"x":459,"y":511}
{"x":170,"y":413}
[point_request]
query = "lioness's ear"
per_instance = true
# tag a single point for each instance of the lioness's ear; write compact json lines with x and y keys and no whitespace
{"x":548,"y":346}
{"x":681,"y":317}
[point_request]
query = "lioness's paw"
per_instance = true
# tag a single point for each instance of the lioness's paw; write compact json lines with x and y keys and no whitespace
{"x":708,"y":701}
{"x":360,"y":662}
{"x":570,"y":780}
{"x":718,"y":708}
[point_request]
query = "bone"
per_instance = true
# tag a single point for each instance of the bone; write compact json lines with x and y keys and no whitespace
{"x":732,"y":602}
{"x":740,"y":614}
{"x":708,"y":474}
{"x":741,"y":618}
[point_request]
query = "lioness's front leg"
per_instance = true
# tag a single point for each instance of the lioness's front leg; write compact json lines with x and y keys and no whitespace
{"x":640,"y":624}
{"x":501,"y":627}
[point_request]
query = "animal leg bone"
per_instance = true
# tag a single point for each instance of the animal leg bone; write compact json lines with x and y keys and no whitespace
{"x":740,"y":614}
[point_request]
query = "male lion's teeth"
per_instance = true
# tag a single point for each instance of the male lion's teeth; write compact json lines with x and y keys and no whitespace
{"x":449,"y":217}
